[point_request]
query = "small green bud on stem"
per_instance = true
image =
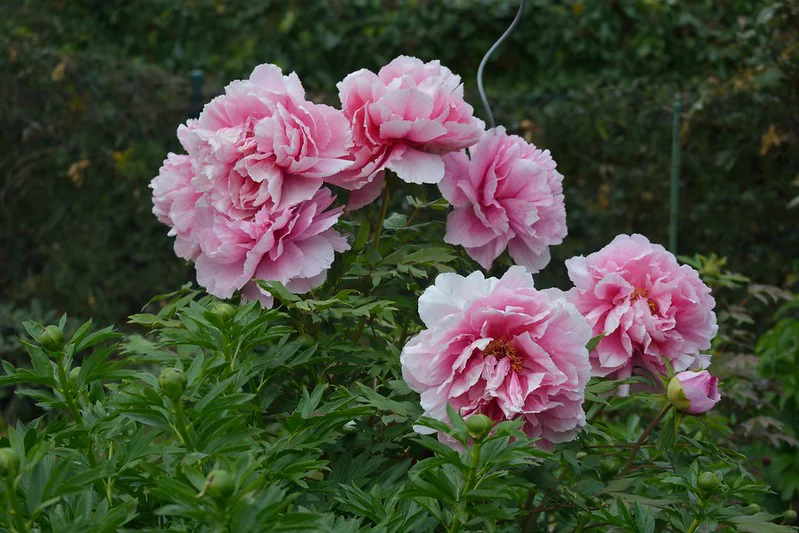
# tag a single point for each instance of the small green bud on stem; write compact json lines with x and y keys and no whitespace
{"x":219,"y":484}
{"x":172,"y":382}
{"x":9,"y":462}
{"x":52,"y":338}
{"x":707,"y":481}
{"x":479,"y":426}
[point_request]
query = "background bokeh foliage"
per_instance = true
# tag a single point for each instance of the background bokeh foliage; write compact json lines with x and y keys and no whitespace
{"x":92,"y":92}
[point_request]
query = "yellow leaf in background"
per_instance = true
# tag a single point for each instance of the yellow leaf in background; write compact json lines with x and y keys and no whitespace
{"x":769,"y":140}
{"x":91,"y":300}
{"x":121,"y":158}
{"x":58,"y":71}
{"x":220,"y":7}
{"x":603,"y":196}
{"x":76,"y":169}
{"x":12,"y":54}
{"x":76,"y":105}
{"x":577,"y":9}
{"x":528,"y":127}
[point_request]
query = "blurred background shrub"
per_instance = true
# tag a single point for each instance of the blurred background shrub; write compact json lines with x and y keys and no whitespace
{"x":93,"y":90}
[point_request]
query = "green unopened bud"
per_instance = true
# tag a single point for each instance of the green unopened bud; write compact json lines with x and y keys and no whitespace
{"x":752,"y":508}
{"x":52,"y":338}
{"x":789,"y":516}
{"x":219,"y":484}
{"x":9,"y":462}
{"x":220,"y":312}
{"x":707,"y":481}
{"x":172,"y":382}
{"x":73,"y":374}
{"x":610,"y":466}
{"x":580,"y":455}
{"x":479,"y":426}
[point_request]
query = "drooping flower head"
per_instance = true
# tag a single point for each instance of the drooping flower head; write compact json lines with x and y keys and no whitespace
{"x":647,"y":305}
{"x":694,"y":392}
{"x":247,"y":202}
{"x":506,"y":194}
{"x":403,"y":118}
{"x":503,"y":349}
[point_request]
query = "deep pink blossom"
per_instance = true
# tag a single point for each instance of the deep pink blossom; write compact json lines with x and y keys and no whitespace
{"x":294,"y":246}
{"x":174,"y":200}
{"x":506,"y":194}
{"x":403,"y":119}
{"x":694,"y":392}
{"x":501,"y":348}
{"x":647,"y":305}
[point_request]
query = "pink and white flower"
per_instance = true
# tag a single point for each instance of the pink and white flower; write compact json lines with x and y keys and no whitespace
{"x":507,"y":195}
{"x":247,"y":202}
{"x":503,"y":349}
{"x":694,"y":392}
{"x":403,"y":119}
{"x":294,"y":246}
{"x":647,"y":306}
{"x":263,"y":143}
{"x":174,"y":201}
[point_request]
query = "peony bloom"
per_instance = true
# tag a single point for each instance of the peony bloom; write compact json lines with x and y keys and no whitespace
{"x":648,"y":306}
{"x":247,"y":202}
{"x":174,"y":200}
{"x":507,"y":195}
{"x":294,"y":246}
{"x":262,"y":143}
{"x":694,"y":392}
{"x":403,"y":118}
{"x":503,"y":349}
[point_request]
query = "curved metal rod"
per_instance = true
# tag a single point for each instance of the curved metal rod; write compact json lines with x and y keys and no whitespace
{"x":480,"y":69}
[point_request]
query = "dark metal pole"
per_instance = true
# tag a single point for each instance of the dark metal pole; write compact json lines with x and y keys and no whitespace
{"x":674,"y":196}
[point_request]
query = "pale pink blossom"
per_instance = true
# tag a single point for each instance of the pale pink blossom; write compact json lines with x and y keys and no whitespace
{"x":506,"y":194}
{"x":694,"y":392}
{"x":503,"y":349}
{"x":262,"y":143}
{"x":648,"y":306}
{"x":294,"y":246}
{"x":404,"y":118}
{"x":174,"y":200}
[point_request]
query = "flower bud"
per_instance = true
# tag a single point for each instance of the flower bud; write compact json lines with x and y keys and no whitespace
{"x":219,"y":484}
{"x":789,"y":516}
{"x":752,"y":508}
{"x":52,"y":338}
{"x":707,"y":481}
{"x":73,"y":374}
{"x":9,"y":462}
{"x":172,"y":382}
{"x":693,"y":392}
{"x":479,"y":425}
{"x":220,"y":312}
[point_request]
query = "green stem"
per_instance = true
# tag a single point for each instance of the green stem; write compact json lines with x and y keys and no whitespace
{"x":457,"y":523}
{"x":66,"y":390}
{"x":383,"y":211}
{"x":651,"y":427}
{"x":581,"y":524}
{"x":180,"y":426}
{"x":694,"y":525}
{"x":16,"y":512}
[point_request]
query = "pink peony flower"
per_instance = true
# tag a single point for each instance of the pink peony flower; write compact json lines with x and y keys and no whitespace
{"x":247,"y":201}
{"x":174,"y":200}
{"x":263,"y":143}
{"x":503,"y":349}
{"x":508,"y":195}
{"x":648,"y":306}
{"x":694,"y":392}
{"x":294,"y":246}
{"x":403,"y":118}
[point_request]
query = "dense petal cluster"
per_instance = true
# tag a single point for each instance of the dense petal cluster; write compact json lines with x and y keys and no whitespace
{"x":507,"y":194}
{"x":247,"y":202}
{"x":647,"y":305}
{"x":403,"y":118}
{"x":503,"y":349}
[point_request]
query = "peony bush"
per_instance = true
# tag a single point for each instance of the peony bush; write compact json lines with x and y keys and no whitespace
{"x":332,"y":335}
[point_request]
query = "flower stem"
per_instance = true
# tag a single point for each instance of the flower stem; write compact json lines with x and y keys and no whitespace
{"x":180,"y":426}
{"x":694,"y":525}
{"x":19,"y":521}
{"x":456,"y":524}
{"x":383,"y":211}
{"x":640,"y":442}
